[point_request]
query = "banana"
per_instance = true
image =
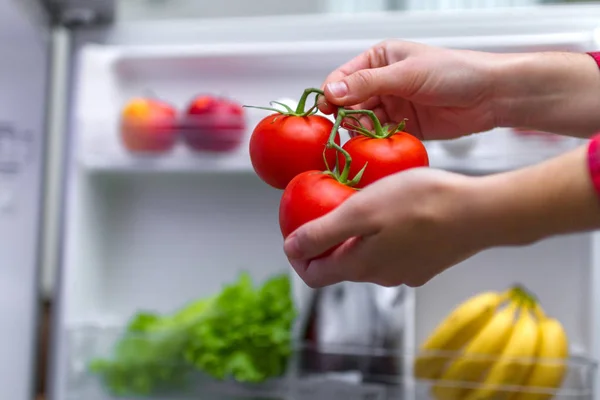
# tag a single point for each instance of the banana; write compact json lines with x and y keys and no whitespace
{"x":550,"y":368}
{"x":477,"y":356}
{"x":458,"y":328}
{"x":514,"y":364}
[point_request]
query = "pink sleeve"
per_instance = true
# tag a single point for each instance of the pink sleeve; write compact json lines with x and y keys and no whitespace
{"x":593,"y":153}
{"x":593,"y":157}
{"x":596,"y":56}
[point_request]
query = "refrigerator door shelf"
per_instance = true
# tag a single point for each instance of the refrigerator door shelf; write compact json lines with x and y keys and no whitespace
{"x":256,"y":74}
{"x":495,"y":151}
{"x":484,"y":153}
{"x":466,"y":4}
{"x":312,"y":374}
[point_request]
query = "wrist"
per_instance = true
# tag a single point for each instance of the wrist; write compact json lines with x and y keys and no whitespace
{"x":551,"y":198}
{"x":548,"y":91}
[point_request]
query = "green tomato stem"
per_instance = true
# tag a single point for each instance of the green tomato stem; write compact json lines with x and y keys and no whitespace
{"x":299,"y":112}
{"x":267,"y":109}
{"x":360,"y":128}
{"x":358,"y":176}
{"x":399,"y":128}
{"x":325,"y":160}
{"x":379,"y":131}
{"x":337,"y":161}
{"x":304,"y":97}
{"x":334,"y":130}
{"x":311,"y":111}
{"x":346,"y":170}
{"x":285,"y":106}
{"x":331,"y":144}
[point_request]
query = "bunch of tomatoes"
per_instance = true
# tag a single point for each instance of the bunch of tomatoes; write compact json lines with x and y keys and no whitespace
{"x":300,"y":153}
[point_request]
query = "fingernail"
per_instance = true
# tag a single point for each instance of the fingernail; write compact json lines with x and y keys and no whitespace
{"x":338,"y":89}
{"x":291,"y":247}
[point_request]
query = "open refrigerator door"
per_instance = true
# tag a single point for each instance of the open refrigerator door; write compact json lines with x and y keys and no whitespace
{"x":24,"y":33}
{"x":174,"y":282}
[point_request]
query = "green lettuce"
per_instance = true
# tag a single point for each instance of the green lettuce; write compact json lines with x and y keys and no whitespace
{"x":247,"y":335}
{"x":243,"y":333}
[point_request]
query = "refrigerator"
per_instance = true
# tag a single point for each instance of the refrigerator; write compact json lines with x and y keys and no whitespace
{"x":25,"y":48}
{"x":115,"y":234}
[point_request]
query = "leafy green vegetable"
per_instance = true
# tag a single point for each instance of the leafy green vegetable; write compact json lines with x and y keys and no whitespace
{"x":247,"y":335}
{"x":243,"y":333}
{"x":149,"y":356}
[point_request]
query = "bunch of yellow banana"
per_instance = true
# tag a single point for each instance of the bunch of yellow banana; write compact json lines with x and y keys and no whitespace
{"x":495,"y":346}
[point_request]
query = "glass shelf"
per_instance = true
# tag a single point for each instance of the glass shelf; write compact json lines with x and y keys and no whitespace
{"x":314,"y":372}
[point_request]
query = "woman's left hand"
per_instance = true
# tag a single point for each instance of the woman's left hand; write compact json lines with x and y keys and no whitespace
{"x":410,"y":226}
{"x":403,"y":229}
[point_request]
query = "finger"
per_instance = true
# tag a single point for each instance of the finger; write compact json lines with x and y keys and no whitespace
{"x":327,"y":108}
{"x":378,"y":59}
{"x":352,"y":218}
{"x":327,"y":270}
{"x":369,"y":104}
{"x":322,"y":103}
{"x":364,"y":84}
{"x":324,"y":106}
{"x":353,"y":261}
{"x":375,"y":57}
{"x":372,"y":58}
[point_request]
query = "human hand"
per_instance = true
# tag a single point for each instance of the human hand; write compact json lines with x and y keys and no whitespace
{"x":403,"y":229}
{"x":443,"y":93}
{"x":410,"y":226}
{"x":446,"y":93}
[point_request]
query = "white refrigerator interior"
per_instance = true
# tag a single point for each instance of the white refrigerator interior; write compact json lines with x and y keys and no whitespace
{"x":156,"y":233}
{"x":22,"y":81}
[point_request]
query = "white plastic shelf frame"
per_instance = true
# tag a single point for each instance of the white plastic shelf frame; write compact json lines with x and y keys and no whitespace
{"x":255,"y":74}
{"x":314,"y":373}
{"x":154,"y":234}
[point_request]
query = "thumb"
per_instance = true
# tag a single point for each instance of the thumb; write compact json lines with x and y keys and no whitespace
{"x":364,"y":84}
{"x":316,"y":237}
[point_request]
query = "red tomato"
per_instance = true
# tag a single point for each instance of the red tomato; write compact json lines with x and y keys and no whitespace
{"x":308,"y":196}
{"x":282,"y":147}
{"x":385,"y":156}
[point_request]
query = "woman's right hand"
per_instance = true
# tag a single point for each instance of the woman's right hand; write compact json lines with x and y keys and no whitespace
{"x":445,"y":93}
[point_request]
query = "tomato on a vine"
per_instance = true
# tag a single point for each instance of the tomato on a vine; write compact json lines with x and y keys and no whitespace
{"x":386,"y":150}
{"x":312,"y":194}
{"x":309,"y":196}
{"x":295,"y":151}
{"x":290,"y":142}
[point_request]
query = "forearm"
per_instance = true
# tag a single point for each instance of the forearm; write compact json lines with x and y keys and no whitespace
{"x":554,"y":92}
{"x":552,"y":198}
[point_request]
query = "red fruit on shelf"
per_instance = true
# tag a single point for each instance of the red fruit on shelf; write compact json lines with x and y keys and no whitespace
{"x":213,"y":124}
{"x":148,"y":126}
